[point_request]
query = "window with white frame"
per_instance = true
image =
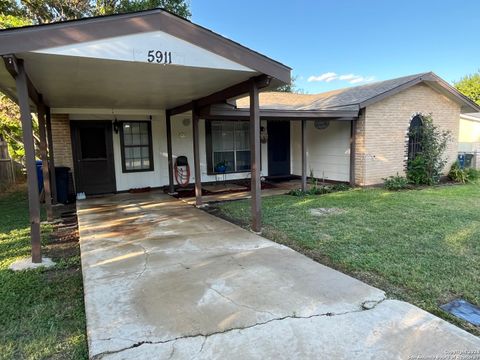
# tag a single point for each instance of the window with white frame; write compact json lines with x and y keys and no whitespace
{"x":230,"y":146}
{"x":136,"y":144}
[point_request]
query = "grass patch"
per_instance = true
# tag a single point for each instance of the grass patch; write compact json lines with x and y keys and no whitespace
{"x":42,"y":312}
{"x":421,"y":246}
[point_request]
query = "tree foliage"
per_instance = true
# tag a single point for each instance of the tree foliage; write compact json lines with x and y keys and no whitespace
{"x":427,"y":166}
{"x":469,"y":85}
{"x":292,"y":87}
{"x":46,"y":11}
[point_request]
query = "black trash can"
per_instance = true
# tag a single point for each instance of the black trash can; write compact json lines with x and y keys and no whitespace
{"x":61,"y":177}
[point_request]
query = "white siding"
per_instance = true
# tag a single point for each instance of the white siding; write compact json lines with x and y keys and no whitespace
{"x":182,"y":144}
{"x":328,"y":150}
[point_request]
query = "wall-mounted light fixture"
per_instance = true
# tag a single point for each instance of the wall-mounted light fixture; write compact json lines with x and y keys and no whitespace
{"x":116,"y":125}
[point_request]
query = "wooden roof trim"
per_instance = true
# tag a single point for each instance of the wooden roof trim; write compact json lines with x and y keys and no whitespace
{"x":32,"y":38}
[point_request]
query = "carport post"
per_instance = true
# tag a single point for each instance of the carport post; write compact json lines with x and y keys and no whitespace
{"x":44,"y":157}
{"x":171,"y":187}
{"x":196,"y":156}
{"x":304,"y":155}
{"x":51,"y":160}
{"x":33,"y":198}
{"x":256,"y":202}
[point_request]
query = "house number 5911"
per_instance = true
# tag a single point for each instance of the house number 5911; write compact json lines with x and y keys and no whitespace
{"x":160,"y":57}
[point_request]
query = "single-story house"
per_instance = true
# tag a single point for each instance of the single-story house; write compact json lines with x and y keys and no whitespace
{"x":120,"y":97}
{"x":380,"y":115}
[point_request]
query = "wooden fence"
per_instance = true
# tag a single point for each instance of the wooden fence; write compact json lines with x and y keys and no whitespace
{"x":7,"y":167}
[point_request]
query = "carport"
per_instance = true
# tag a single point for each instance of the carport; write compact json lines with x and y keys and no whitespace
{"x":149,"y":60}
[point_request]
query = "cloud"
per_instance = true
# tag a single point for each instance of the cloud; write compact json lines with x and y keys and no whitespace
{"x":350,"y":78}
{"x":327,"y":77}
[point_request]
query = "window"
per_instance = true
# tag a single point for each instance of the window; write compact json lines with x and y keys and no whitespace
{"x":228,"y":145}
{"x":136,"y":143}
{"x":414,"y":137}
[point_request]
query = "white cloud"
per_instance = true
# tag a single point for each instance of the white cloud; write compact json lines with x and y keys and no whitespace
{"x":327,"y":77}
{"x":350,"y":78}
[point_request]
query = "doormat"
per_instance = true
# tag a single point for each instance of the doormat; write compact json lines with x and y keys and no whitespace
{"x":463,"y":310}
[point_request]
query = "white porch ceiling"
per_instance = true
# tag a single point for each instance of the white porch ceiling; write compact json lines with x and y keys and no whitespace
{"x":81,"y":82}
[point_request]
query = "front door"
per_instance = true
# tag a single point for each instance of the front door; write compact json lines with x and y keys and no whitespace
{"x":93,"y":156}
{"x":278,"y":148}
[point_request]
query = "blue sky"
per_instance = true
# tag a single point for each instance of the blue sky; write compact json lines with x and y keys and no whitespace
{"x":350,"y":42}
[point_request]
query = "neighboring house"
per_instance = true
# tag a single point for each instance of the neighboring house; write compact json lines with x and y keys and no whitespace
{"x":469,"y":139}
{"x":469,"y":136}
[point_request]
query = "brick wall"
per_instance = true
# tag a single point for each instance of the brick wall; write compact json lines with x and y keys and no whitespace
{"x":62,"y":144}
{"x":382,"y":133}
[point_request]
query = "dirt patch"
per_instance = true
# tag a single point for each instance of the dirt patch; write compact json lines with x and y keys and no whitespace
{"x":326,"y":211}
{"x":63,"y":241}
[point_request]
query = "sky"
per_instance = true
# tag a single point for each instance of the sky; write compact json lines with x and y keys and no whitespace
{"x":338,"y":43}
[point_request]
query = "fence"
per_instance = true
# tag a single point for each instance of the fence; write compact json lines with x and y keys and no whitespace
{"x":7,"y":167}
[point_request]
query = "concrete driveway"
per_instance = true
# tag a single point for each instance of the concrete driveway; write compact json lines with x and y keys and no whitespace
{"x":164,"y":280}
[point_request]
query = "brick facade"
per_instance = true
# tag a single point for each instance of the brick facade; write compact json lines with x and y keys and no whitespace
{"x":62,"y":143}
{"x":382,"y":131}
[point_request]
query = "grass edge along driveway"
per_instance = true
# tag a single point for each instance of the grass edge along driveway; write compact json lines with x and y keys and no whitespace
{"x":42,"y":312}
{"x":420,"y":246}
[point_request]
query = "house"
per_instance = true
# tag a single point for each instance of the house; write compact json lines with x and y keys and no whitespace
{"x":120,"y":97}
{"x":379,"y":114}
{"x":469,"y":138}
{"x":383,"y":113}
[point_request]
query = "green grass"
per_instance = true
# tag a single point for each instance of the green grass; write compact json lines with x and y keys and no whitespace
{"x":42,"y":312}
{"x":421,"y":246}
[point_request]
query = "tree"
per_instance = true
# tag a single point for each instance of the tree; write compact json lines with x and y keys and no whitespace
{"x":292,"y":87}
{"x":427,"y":165}
{"x":469,"y":85}
{"x":46,"y":11}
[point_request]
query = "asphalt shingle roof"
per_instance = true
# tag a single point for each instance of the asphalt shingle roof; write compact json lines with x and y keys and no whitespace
{"x":342,"y":98}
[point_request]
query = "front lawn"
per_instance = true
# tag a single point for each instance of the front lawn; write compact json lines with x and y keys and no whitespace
{"x":42,"y":314}
{"x":421,"y":246}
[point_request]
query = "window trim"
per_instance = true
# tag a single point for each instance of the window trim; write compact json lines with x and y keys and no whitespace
{"x":209,"y":148}
{"x":150,"y":147}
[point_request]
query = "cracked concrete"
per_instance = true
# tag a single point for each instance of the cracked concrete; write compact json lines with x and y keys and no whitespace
{"x":165,"y":280}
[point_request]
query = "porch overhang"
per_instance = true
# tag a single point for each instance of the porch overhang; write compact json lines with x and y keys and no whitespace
{"x":146,"y":60}
{"x":150,"y":60}
{"x":223,"y":112}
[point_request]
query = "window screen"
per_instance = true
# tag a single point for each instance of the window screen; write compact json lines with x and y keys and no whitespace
{"x":136,"y":146}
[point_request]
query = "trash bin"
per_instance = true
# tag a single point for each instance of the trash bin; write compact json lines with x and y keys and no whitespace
{"x":468,"y":160}
{"x":461,"y":160}
{"x":61,"y":177}
{"x":38,"y":164}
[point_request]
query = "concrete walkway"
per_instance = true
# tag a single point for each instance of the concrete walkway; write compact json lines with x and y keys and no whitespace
{"x":164,"y":280}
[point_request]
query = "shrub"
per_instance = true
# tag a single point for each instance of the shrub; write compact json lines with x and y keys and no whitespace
{"x":296,"y":192}
{"x":395,"y":183}
{"x":319,"y":190}
{"x":473,"y":175}
{"x":417,"y":173}
{"x":427,"y":166}
{"x":457,"y":174}
{"x":463,"y":176}
{"x":341,"y":187}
